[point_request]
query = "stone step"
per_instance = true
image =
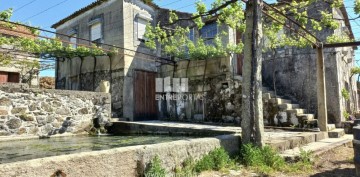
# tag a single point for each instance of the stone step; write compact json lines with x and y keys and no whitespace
{"x":331,"y":127}
{"x":118,"y":119}
{"x":288,"y":106}
{"x":291,"y":142}
{"x":296,"y":111}
{"x":269,"y":95}
{"x":266,"y":96}
{"x":317,"y":148}
{"x":306,"y":117}
{"x":336,"y":133}
{"x":311,"y":124}
{"x":279,"y":101}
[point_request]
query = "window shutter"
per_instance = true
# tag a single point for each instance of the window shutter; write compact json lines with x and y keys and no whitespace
{"x":73,"y":40}
{"x":141,"y":28}
{"x":95,"y":31}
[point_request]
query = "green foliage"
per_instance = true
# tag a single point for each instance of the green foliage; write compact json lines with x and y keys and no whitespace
{"x":266,"y":160}
{"x":155,"y":169}
{"x":345,"y":94}
{"x":6,"y":14}
{"x":44,"y":48}
{"x":355,"y":70}
{"x":176,"y":42}
{"x":346,"y":115}
{"x":216,"y":160}
{"x":357,"y":6}
{"x":336,"y":38}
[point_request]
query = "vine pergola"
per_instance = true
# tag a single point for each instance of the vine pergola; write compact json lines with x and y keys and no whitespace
{"x":48,"y":48}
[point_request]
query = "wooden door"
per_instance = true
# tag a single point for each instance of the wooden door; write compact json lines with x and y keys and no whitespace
{"x":3,"y":77}
{"x":145,"y":105}
{"x":13,"y":77}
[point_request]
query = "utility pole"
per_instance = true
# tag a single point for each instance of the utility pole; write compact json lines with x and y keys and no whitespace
{"x":252,"y":107}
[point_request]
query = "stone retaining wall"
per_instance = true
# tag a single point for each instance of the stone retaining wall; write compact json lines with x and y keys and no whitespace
{"x":25,"y":111}
{"x":125,"y":161}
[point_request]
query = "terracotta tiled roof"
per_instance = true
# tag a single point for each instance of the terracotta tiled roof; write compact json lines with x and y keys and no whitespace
{"x":84,"y":9}
{"x":79,"y":12}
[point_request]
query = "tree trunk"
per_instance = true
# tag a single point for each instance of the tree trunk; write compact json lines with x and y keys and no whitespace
{"x":252,"y":113}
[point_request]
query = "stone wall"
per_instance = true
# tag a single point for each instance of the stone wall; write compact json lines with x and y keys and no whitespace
{"x":215,"y":82}
{"x":25,"y":111}
{"x":124,"y":161}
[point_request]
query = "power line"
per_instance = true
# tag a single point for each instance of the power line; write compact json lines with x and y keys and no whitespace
{"x":45,"y":10}
{"x":24,"y":5}
{"x":171,"y":3}
{"x":60,"y":34}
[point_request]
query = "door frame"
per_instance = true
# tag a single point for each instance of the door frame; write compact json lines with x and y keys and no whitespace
{"x":134,"y":93}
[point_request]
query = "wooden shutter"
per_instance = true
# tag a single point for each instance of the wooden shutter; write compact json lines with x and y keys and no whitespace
{"x":95,"y":31}
{"x":3,"y":77}
{"x":141,"y":28}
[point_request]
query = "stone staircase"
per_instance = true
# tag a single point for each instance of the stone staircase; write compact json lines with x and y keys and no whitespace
{"x":284,"y":113}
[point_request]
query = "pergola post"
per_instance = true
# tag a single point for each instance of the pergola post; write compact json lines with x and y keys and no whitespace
{"x":321,"y":89}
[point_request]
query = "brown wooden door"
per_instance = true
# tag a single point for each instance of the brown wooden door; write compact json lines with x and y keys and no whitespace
{"x":13,"y":77}
{"x":3,"y":77}
{"x":145,"y":105}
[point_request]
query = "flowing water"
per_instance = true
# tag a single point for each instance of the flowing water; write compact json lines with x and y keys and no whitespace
{"x":13,"y":151}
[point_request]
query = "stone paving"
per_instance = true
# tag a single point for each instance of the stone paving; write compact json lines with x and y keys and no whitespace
{"x":277,"y":138}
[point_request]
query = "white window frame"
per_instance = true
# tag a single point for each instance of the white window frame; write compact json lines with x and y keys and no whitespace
{"x":96,"y":35}
{"x":139,"y":28}
{"x":73,"y":40}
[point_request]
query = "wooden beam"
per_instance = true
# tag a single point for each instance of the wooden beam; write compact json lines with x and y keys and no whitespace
{"x":343,"y":44}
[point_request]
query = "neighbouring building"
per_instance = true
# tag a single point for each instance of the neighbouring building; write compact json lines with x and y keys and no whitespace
{"x":19,"y":69}
{"x":133,"y":71}
{"x":292,"y":71}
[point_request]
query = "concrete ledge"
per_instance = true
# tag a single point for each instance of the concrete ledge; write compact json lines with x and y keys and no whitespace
{"x":296,"y":141}
{"x":125,"y":161}
{"x":121,"y":128}
{"x":317,"y":148}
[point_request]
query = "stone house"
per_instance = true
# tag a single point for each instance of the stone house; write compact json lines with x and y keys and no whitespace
{"x":291,"y":71}
{"x":133,"y":72}
{"x":16,"y":71}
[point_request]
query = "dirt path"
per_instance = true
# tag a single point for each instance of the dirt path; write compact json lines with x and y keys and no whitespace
{"x":335,"y":163}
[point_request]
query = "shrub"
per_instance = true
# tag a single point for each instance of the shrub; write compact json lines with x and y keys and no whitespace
{"x":155,"y":169}
{"x":215,"y":160}
{"x":267,"y":160}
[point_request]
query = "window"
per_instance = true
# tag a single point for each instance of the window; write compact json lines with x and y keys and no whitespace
{"x":208,"y":33}
{"x":73,"y":40}
{"x":192,"y":34}
{"x":140,"y":23}
{"x":96,"y":32}
{"x":141,"y":28}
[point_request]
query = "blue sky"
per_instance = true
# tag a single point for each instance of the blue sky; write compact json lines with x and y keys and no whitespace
{"x":44,"y":13}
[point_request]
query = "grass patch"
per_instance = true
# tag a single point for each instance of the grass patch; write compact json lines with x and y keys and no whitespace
{"x":218,"y":160}
{"x":155,"y":169}
{"x":266,"y":160}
